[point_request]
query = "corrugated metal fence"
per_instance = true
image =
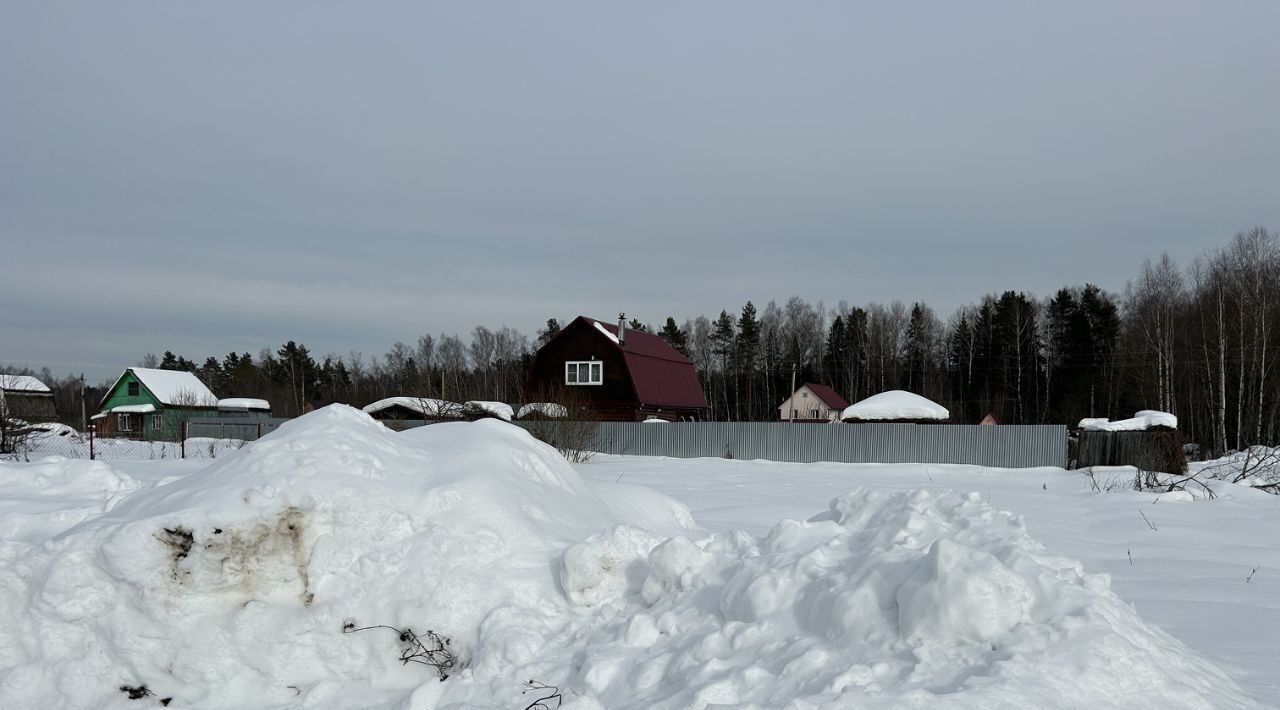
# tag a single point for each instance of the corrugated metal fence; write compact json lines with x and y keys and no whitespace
{"x":246,"y":429}
{"x":998,"y":446}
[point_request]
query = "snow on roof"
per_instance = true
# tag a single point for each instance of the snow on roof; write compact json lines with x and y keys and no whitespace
{"x":174,"y":387}
{"x":243,"y":403}
{"x":22,"y":383}
{"x":546,"y":409}
{"x":134,"y":409}
{"x":422,"y":405}
{"x":600,"y":327}
{"x":1141,"y":421}
{"x":895,"y":404}
{"x":500,"y":410}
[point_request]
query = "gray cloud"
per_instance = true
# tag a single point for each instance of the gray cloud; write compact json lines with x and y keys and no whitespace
{"x":228,"y":176}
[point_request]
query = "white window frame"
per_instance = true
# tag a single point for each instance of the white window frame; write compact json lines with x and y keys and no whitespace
{"x":157,"y":422}
{"x":573,"y":370}
{"x":122,"y":422}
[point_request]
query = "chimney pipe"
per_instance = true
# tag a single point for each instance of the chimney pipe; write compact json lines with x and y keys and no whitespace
{"x":622,"y":329}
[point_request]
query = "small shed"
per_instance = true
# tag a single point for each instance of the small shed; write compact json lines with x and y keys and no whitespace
{"x":897,"y":407}
{"x":812,"y":403}
{"x":26,"y":398}
{"x":409,"y":408}
{"x":244,"y":408}
{"x":1149,"y":441}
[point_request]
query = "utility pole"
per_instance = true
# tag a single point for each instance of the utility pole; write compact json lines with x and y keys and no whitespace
{"x":84,"y":419}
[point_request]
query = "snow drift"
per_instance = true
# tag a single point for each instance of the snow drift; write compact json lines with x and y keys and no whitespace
{"x":229,"y":587}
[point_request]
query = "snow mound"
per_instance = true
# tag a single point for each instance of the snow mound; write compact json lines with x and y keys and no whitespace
{"x":231,"y":586}
{"x":895,"y":404}
{"x":885,"y":601}
{"x":1141,"y":421}
{"x":223,"y":588}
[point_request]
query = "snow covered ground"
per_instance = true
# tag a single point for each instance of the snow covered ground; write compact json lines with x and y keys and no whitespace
{"x":1187,"y":576}
{"x":240,"y":583}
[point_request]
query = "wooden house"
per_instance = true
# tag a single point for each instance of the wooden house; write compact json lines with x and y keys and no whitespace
{"x":618,"y":374}
{"x":153,"y":404}
{"x":812,"y":403}
{"x":26,"y":399}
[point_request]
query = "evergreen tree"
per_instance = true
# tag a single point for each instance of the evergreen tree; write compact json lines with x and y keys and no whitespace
{"x":747,"y":356}
{"x":546,"y":334}
{"x":674,"y":336}
{"x":835,"y":356}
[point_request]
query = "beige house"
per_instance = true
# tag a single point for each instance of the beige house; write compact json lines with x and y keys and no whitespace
{"x":812,"y":403}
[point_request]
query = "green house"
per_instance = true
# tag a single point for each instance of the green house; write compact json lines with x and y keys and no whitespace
{"x":153,"y":404}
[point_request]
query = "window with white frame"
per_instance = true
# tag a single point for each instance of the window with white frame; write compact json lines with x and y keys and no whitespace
{"x":157,"y":422}
{"x":588,"y":372}
{"x":122,"y":422}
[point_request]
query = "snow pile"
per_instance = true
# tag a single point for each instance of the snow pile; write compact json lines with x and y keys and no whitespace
{"x":1256,"y":466}
{"x":895,"y":404}
{"x":887,"y":600}
{"x":223,"y":588}
{"x":1142,"y":421}
{"x":229,"y":586}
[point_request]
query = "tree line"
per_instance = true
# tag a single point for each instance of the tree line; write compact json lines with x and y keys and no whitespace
{"x":1196,"y":340}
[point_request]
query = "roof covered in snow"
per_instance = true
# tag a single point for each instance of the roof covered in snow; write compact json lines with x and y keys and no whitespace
{"x":172,"y":387}
{"x":22,"y":383}
{"x":500,"y":410}
{"x":1142,"y":421}
{"x":425,"y":406}
{"x":244,"y":403}
{"x":546,"y":409}
{"x":895,"y":405}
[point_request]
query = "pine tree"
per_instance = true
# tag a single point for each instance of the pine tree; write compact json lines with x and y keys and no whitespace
{"x":835,"y":356}
{"x":674,"y":336}
{"x":723,"y":346}
{"x":747,"y":356}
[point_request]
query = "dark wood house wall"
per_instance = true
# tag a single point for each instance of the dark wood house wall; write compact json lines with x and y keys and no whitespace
{"x":612,"y":400}
{"x":641,"y":377}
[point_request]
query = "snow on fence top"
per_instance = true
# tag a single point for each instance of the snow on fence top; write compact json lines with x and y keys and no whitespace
{"x":22,"y":383}
{"x":1142,"y":421}
{"x":895,"y":404}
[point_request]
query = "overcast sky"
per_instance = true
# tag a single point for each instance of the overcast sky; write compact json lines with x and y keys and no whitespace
{"x":204,"y":177}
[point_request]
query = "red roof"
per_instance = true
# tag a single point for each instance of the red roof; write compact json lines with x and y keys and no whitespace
{"x":827,"y":395}
{"x":660,"y":374}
